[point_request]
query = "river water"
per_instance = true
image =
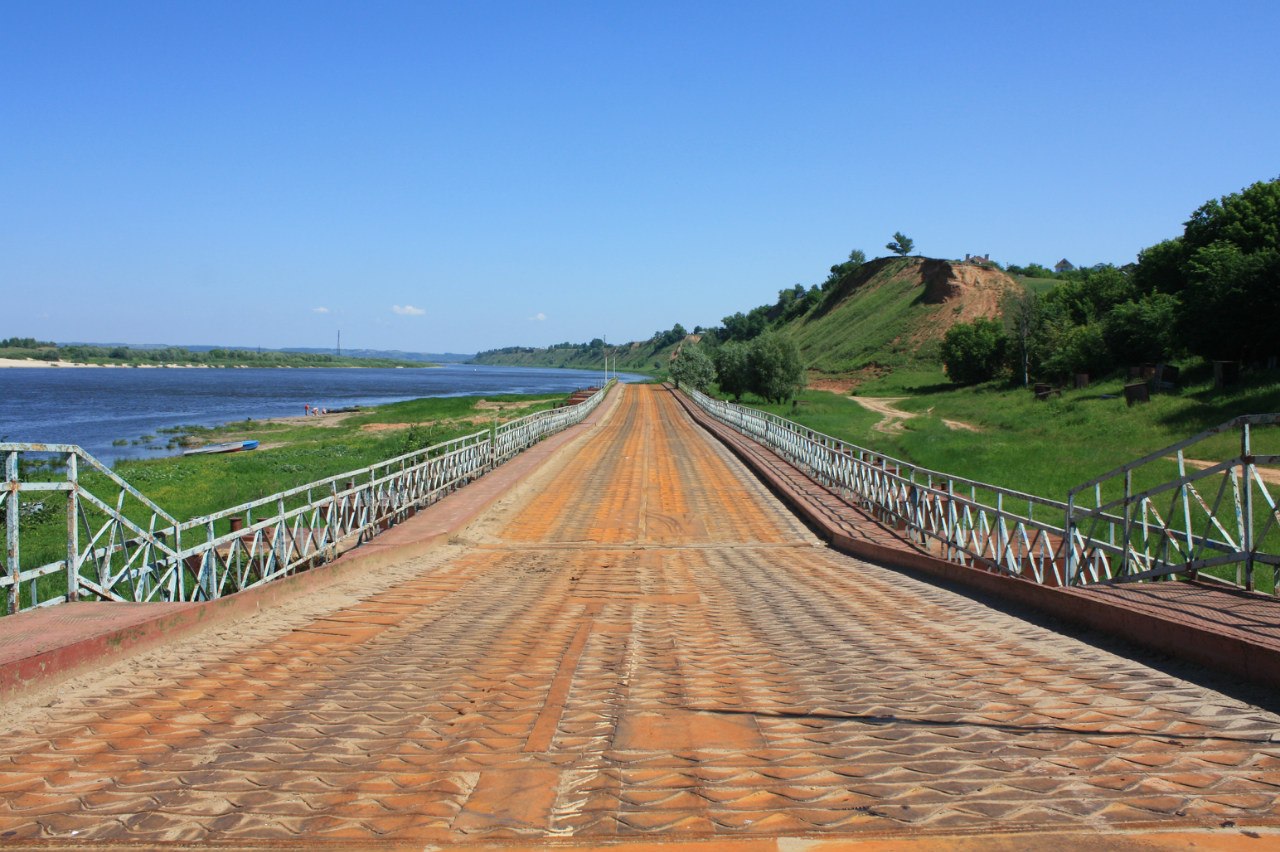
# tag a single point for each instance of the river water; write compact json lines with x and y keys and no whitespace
{"x":95,"y":407}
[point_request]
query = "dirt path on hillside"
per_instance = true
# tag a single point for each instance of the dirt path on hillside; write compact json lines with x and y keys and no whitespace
{"x":1269,"y":475}
{"x":894,"y":418}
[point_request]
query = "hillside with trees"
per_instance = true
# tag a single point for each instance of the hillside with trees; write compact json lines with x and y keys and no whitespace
{"x":639,"y":356}
{"x":1212,"y":293}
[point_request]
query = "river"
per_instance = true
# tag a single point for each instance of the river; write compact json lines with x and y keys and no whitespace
{"x":99,"y":407}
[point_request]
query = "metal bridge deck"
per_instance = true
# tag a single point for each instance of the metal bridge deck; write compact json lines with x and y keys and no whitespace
{"x":637,"y":644}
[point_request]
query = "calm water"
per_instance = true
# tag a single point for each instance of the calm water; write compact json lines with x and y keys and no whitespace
{"x":94,"y":407}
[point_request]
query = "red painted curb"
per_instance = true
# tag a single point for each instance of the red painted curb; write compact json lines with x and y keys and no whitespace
{"x":1259,"y":663}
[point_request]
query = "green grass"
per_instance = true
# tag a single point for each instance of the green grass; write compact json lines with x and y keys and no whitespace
{"x":873,"y":325}
{"x":1044,"y":448}
{"x":1039,"y":286}
{"x":293,"y":453}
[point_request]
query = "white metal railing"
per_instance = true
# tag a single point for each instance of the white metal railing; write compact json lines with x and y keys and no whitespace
{"x":514,"y":436}
{"x":1209,"y":514}
{"x":123,"y":547}
{"x":1011,"y":532}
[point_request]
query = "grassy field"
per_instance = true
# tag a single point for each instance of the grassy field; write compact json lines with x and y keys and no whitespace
{"x":293,"y":452}
{"x":1044,"y":448}
{"x":1039,"y":286}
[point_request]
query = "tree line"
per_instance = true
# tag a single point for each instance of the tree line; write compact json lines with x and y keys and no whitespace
{"x":746,"y":353}
{"x":89,"y":353}
{"x":1212,"y":292}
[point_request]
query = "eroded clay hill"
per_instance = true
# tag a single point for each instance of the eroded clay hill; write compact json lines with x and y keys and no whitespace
{"x":897,"y":310}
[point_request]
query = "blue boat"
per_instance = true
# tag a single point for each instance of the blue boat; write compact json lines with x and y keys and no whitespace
{"x":229,"y":447}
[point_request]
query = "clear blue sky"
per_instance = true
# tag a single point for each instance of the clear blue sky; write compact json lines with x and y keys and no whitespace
{"x":460,"y":176}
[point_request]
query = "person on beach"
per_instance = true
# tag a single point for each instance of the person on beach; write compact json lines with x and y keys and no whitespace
{"x":307,"y":409}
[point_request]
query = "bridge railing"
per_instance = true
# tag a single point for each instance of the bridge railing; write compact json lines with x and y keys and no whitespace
{"x":1209,"y":514}
{"x":117,"y":544}
{"x":1011,"y":532}
{"x":515,"y":436}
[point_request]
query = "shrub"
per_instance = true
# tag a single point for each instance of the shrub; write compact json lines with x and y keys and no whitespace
{"x":974,"y":352}
{"x":732,"y":372}
{"x":692,"y":368}
{"x":777,"y":373}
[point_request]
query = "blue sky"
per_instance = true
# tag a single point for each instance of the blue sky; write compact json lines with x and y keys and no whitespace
{"x":431,"y":177}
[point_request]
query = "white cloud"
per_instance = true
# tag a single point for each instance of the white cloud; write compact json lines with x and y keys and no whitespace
{"x":407,"y":310}
{"x":320,"y":310}
{"x":538,"y":317}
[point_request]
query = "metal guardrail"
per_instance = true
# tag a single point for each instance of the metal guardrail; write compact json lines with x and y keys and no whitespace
{"x":123,"y":547}
{"x":515,"y":436}
{"x":1047,"y":541}
{"x":1211,"y":514}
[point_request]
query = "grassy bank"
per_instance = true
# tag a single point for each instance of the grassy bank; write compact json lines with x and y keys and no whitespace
{"x":293,"y":452}
{"x":1044,"y":448}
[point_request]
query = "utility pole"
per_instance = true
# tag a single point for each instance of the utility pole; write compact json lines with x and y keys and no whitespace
{"x":339,"y":343}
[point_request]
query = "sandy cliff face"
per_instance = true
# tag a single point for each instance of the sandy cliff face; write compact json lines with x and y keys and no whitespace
{"x":972,"y":291}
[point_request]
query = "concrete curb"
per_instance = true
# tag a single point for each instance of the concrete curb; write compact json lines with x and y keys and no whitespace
{"x":1182,"y":637}
{"x":155,"y":623}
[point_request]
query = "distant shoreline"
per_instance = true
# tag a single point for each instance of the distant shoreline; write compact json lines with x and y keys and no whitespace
{"x":32,"y":363}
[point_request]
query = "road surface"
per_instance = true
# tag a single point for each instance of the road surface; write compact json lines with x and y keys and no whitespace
{"x":638,"y":643}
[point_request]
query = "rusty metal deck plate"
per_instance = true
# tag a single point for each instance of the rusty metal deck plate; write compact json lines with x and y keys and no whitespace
{"x":647,"y":647}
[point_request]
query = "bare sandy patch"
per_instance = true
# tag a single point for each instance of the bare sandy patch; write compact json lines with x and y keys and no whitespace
{"x":843,"y":383}
{"x":314,"y":419}
{"x":486,"y":405}
{"x":1269,"y":475}
{"x":894,"y":418}
{"x":385,"y":427}
{"x":831,"y":384}
{"x":26,"y":362}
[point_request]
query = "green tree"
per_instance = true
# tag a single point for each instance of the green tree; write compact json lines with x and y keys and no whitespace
{"x":742,"y":326}
{"x":1225,"y":269}
{"x":1159,"y":268}
{"x":733,"y":374}
{"x":1035,"y":270}
{"x":777,"y":373}
{"x":1231,"y":302}
{"x":1248,"y":219}
{"x":857,"y":258}
{"x":901,"y":244}
{"x":1142,"y":330}
{"x":974,"y":352}
{"x":1022,"y":317}
{"x":692,"y":368}
{"x":1069,"y":349}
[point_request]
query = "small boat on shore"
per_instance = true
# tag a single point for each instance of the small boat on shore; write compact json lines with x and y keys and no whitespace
{"x":229,"y":447}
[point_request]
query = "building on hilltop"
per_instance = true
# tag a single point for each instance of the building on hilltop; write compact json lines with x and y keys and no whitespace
{"x":1064,"y":265}
{"x":978,"y":259}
